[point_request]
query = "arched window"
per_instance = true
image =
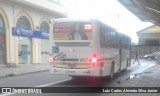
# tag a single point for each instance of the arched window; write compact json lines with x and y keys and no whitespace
{"x":2,"y":27}
{"x":23,"y":23}
{"x":1,"y":22}
{"x":2,"y":40}
{"x":24,"y":43}
{"x":44,"y":26}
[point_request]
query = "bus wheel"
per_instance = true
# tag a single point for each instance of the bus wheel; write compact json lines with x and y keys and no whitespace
{"x":127,"y":64}
{"x":111,"y":72}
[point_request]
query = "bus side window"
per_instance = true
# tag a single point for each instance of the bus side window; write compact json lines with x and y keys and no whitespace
{"x":106,"y":37}
{"x":116,"y":36}
{"x":113,"y":35}
{"x":109,"y":34}
{"x":106,"y":33}
{"x":116,"y":40}
{"x":126,"y":44}
{"x":113,"y":40}
{"x":123,"y":42}
{"x":102,"y":37}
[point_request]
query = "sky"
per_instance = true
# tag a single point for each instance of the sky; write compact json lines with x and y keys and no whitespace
{"x":110,"y":12}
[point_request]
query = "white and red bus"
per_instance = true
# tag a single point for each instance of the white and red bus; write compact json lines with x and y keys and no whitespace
{"x":82,"y":48}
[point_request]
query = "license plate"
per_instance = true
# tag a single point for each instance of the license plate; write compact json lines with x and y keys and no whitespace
{"x":72,"y":65}
{"x":70,"y":71}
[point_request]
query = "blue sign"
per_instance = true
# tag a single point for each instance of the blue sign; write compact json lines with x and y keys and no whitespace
{"x":45,"y":35}
{"x":29,"y":33}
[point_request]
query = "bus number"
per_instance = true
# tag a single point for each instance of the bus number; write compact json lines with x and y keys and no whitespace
{"x":83,"y":59}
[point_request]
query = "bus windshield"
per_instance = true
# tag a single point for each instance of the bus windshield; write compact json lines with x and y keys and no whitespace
{"x":72,"y":31}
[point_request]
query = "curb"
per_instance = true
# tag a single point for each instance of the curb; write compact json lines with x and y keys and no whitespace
{"x":23,"y":73}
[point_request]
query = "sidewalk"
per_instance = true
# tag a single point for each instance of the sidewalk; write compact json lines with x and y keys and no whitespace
{"x":22,"y":69}
{"x":149,"y":78}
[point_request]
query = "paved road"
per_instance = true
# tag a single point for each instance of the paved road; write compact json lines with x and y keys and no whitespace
{"x":44,"y":79}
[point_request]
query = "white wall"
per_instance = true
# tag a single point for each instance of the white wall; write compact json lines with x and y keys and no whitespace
{"x":45,"y":4}
{"x":12,"y":9}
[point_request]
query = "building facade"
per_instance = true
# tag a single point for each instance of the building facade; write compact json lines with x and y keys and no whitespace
{"x":24,"y":29}
{"x":149,"y":36}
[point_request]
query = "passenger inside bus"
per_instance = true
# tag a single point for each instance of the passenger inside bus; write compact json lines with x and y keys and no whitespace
{"x":77,"y":33}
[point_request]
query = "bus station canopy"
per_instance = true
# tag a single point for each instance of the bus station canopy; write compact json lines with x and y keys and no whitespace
{"x":145,"y":10}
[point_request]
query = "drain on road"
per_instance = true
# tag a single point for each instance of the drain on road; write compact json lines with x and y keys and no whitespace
{"x":130,"y":77}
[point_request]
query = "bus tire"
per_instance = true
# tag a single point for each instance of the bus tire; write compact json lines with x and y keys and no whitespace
{"x":111,"y":72}
{"x":127,"y":64}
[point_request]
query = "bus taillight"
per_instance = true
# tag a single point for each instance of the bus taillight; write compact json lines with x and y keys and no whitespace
{"x":94,"y":60}
{"x":51,"y":58}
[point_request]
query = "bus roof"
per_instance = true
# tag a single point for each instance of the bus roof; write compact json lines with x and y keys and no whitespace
{"x":80,"y":20}
{"x":71,"y":20}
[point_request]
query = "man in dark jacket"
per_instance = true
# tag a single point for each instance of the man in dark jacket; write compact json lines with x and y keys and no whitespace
{"x":136,"y":58}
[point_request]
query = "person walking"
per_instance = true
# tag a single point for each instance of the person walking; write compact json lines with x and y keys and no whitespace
{"x":136,"y":58}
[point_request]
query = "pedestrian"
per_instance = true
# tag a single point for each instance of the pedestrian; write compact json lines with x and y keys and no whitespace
{"x":136,"y":58}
